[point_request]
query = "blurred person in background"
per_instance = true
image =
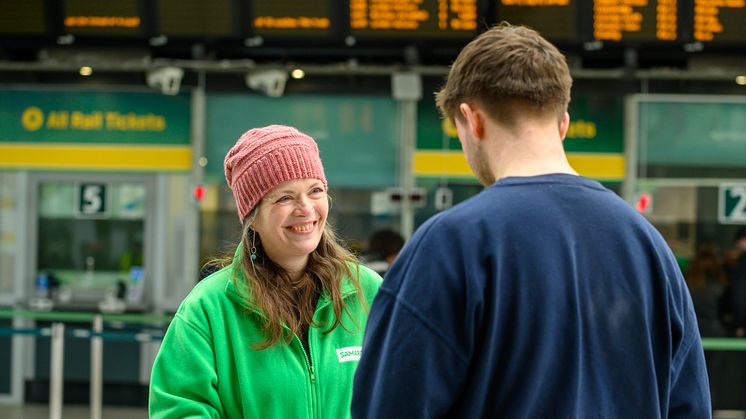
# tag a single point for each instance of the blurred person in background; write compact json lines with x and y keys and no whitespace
{"x":737,"y":276}
{"x":707,"y":281}
{"x":277,"y":332}
{"x":383,"y":247}
{"x":543,"y":296}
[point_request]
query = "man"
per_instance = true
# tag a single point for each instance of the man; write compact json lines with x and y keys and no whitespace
{"x":737,"y":277}
{"x":383,"y":248}
{"x":544,"y":296}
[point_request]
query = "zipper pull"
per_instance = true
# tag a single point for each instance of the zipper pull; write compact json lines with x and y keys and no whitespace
{"x":313,"y":377}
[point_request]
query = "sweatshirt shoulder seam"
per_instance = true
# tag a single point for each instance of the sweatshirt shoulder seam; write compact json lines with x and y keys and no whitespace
{"x":423,"y":320}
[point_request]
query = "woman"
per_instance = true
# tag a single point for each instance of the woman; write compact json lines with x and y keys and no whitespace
{"x":278,"y":332}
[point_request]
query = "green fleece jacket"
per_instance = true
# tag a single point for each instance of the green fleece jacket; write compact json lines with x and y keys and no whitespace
{"x":206,"y":367}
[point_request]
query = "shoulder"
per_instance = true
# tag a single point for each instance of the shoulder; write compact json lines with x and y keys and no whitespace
{"x":209,"y":292}
{"x":370,"y":281}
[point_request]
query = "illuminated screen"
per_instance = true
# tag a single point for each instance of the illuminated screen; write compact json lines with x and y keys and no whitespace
{"x":413,"y":18}
{"x":291,"y":17}
{"x":103,"y":17}
{"x":554,"y":19}
{"x":196,"y":17}
{"x":638,"y":20}
{"x":22,"y":17}
{"x":720,"y":20}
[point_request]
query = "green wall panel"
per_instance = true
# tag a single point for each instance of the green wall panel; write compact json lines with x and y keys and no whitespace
{"x":357,"y":135}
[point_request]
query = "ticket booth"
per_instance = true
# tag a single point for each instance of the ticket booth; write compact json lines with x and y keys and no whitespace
{"x":98,"y":216}
{"x":91,"y":241}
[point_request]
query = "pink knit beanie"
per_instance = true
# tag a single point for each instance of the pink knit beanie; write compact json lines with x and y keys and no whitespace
{"x":265,"y":157}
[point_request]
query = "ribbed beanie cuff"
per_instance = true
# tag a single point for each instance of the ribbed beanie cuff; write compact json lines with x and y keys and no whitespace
{"x":264,"y":158}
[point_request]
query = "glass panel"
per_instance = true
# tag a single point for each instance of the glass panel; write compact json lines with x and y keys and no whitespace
{"x":86,"y":253}
{"x":687,"y":217}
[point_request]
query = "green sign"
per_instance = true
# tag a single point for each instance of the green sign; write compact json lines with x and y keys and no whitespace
{"x":92,"y":200}
{"x":732,"y":203}
{"x":33,"y":116}
{"x":357,"y":135}
{"x":694,"y":131}
{"x":595,"y":126}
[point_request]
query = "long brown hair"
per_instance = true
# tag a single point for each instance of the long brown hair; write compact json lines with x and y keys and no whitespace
{"x":283,"y":301}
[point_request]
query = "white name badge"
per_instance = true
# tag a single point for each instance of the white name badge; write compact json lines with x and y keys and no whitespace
{"x":350,"y":353}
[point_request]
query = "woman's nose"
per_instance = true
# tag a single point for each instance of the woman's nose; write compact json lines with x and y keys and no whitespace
{"x":304,"y":206}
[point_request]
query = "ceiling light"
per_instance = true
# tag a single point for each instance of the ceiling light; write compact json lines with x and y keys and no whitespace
{"x":85,"y":71}
{"x":297,"y":73}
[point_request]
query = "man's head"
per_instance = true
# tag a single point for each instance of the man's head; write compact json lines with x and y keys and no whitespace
{"x":509,"y":71}
{"x":740,"y":238}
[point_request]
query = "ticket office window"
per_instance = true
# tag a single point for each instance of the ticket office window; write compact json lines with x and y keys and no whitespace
{"x":90,"y":241}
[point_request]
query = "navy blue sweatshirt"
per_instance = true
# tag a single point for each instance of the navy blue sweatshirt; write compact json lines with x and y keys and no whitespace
{"x":541,"y":297}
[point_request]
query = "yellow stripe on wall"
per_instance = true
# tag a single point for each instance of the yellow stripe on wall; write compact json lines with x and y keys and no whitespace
{"x":601,"y":166}
{"x":452,"y":163}
{"x":95,"y":156}
{"x":439,"y":163}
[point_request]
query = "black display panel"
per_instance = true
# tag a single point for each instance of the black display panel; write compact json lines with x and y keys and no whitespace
{"x":22,"y":17}
{"x":719,"y":21}
{"x":103,"y":17}
{"x":554,"y":19}
{"x":194,"y":18}
{"x":636,"y":20}
{"x":292,"y":18}
{"x":413,"y":19}
{"x":637,"y":23}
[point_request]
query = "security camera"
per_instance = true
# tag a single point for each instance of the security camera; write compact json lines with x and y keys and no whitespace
{"x":167,"y":79}
{"x":269,"y":82}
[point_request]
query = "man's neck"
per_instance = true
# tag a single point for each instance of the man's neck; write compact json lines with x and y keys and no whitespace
{"x":527,"y":152}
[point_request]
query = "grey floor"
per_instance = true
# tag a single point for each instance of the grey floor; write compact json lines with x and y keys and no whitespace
{"x":40,"y":411}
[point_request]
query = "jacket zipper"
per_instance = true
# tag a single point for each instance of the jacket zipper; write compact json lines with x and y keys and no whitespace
{"x":311,"y":375}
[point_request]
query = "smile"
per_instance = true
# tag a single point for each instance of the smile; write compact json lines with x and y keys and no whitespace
{"x":302,"y":228}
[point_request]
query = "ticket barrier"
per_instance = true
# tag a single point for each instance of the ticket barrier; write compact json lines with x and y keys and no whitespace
{"x":96,"y":334}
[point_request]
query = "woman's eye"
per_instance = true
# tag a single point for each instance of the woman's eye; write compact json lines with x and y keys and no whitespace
{"x":317,"y":190}
{"x":284,"y":198}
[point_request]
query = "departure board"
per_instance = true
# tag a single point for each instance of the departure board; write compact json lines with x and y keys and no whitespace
{"x":554,"y":19}
{"x":635,"y":20}
{"x":413,"y":19}
{"x":291,"y":17}
{"x":103,"y":17}
{"x":196,"y":17}
{"x":26,"y":17}
{"x":720,"y":20}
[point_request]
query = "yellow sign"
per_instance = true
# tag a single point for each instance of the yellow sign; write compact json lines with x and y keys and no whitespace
{"x":577,"y":129}
{"x":452,"y":163}
{"x":32,"y":118}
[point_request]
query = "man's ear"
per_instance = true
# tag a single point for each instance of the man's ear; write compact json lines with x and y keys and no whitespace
{"x":564,"y":125}
{"x":473,"y":118}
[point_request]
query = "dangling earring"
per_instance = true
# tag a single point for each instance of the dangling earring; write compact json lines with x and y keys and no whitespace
{"x":253,"y":246}
{"x":252,"y":256}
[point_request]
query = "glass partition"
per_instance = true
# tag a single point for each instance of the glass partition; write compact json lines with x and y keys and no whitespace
{"x":90,"y":238}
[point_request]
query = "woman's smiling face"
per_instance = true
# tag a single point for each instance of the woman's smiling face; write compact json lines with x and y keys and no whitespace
{"x":291,"y":220}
